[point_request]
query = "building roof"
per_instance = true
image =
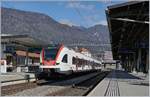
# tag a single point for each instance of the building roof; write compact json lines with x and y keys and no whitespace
{"x":83,"y":50}
{"x":128,"y":25}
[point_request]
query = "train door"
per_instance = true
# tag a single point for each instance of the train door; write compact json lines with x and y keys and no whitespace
{"x":64,"y":63}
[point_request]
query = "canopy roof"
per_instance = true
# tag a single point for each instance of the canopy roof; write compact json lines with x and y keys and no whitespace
{"x":25,"y":40}
{"x":128,"y":26}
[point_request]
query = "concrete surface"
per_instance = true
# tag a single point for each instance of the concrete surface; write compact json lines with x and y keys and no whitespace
{"x":128,"y":85}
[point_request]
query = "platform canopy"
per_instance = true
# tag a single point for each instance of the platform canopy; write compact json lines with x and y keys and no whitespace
{"x":24,"y":40}
{"x":128,"y":26}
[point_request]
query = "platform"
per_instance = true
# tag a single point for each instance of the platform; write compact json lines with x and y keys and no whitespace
{"x":121,"y":83}
{"x":16,"y":78}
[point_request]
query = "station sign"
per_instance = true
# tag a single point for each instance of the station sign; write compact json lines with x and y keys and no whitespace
{"x":36,"y":50}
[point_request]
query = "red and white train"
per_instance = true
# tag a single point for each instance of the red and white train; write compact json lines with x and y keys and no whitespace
{"x":63,"y":60}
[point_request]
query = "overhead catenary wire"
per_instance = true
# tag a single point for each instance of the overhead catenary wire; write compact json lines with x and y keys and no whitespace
{"x":85,"y":21}
{"x":78,"y":12}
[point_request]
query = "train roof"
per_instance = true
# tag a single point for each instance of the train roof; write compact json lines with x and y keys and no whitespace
{"x":82,"y":56}
{"x":77,"y":54}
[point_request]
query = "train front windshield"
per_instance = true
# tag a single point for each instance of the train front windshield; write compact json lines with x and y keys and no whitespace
{"x":50,"y":54}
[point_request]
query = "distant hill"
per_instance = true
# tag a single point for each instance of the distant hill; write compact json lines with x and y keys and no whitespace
{"x":45,"y":28}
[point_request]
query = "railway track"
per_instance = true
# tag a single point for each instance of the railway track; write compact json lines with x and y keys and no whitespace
{"x":82,"y":88}
{"x":52,"y":80}
{"x":13,"y":89}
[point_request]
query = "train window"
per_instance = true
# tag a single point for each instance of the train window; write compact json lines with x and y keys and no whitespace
{"x":73,"y":60}
{"x":65,"y":58}
{"x":50,"y":54}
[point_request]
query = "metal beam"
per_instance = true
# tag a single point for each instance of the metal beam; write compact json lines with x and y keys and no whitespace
{"x":130,"y":20}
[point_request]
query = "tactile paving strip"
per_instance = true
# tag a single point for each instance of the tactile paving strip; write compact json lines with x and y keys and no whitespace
{"x":112,"y":88}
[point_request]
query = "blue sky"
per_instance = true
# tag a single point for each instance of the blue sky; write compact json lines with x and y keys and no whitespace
{"x":79,"y":13}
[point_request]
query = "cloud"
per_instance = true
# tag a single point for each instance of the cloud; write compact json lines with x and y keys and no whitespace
{"x":90,"y":15}
{"x":67,"y":22}
{"x":94,"y":19}
{"x":80,"y":6}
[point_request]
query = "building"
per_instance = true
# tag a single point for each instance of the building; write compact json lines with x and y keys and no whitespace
{"x":129,"y":32}
{"x":18,"y":53}
{"x":108,"y":55}
{"x":85,"y":52}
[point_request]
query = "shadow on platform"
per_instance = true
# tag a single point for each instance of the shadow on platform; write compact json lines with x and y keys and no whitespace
{"x":123,"y":75}
{"x":141,"y":84}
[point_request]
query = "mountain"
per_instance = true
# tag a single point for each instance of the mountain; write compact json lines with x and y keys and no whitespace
{"x":45,"y":28}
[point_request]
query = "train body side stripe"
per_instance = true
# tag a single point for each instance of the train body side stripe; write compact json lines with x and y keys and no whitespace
{"x":59,"y":52}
